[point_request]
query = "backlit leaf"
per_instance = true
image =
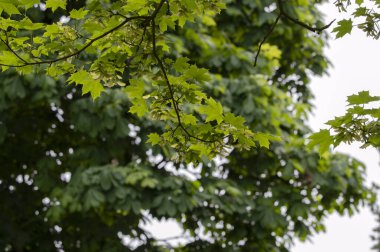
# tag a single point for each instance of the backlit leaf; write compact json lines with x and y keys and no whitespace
{"x":55,"y":4}
{"x":344,"y":27}
{"x":362,"y":97}
{"x":323,"y":139}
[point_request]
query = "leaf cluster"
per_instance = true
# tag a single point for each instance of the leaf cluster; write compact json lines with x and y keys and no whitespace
{"x":361,"y":123}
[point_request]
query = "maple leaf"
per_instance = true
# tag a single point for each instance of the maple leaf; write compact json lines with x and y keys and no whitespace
{"x":362,"y":98}
{"x":154,"y":138}
{"x":89,"y":85}
{"x":55,"y":4}
{"x":323,"y":139}
{"x":344,"y":27}
{"x":213,"y":111}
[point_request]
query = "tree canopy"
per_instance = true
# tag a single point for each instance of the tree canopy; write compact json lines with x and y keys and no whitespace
{"x":172,"y":85}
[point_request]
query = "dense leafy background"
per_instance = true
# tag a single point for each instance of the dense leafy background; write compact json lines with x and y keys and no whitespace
{"x":76,"y":173}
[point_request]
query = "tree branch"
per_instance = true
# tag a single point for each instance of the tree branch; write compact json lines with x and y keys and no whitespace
{"x":292,"y":19}
{"x":300,"y":23}
{"x":266,"y":37}
{"x":6,"y":43}
{"x":77,"y":52}
{"x":168,"y":84}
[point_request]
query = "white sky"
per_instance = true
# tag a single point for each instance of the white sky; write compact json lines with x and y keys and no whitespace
{"x":356,"y":61}
{"x":356,"y":68}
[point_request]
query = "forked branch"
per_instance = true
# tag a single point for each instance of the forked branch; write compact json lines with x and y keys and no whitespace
{"x":285,"y":15}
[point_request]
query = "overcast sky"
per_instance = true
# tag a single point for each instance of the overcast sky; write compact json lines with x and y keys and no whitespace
{"x":356,"y":61}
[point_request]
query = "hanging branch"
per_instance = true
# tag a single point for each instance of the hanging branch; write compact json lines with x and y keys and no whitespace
{"x":6,"y":43}
{"x":300,"y":23}
{"x":26,"y":63}
{"x":266,"y":37}
{"x":168,"y":84}
{"x":292,"y":19}
{"x":148,"y":20}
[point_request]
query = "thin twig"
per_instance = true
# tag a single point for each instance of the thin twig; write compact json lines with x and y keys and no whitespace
{"x":300,"y":23}
{"x":148,"y":19}
{"x":168,"y":84}
{"x":266,"y":37}
{"x":80,"y":50}
{"x":6,"y":43}
{"x":292,"y":19}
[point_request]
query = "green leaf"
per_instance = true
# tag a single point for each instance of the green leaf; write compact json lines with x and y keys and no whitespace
{"x":202,"y":149}
{"x":181,"y":64}
{"x":236,"y":121}
{"x":78,"y":14}
{"x":136,"y":89}
{"x":362,"y":97}
{"x":9,"y":8}
{"x":29,"y":3}
{"x":134,"y":5}
{"x":139,"y":108}
{"x":154,"y":138}
{"x":189,"y":119}
{"x":199,"y":74}
{"x":55,"y":4}
{"x":344,"y":27}
{"x":82,"y":77}
{"x":264,"y":139}
{"x":165,"y":22}
{"x":358,"y":2}
{"x":323,"y":139}
{"x":213,"y":111}
{"x":149,"y":182}
{"x":135,"y":92}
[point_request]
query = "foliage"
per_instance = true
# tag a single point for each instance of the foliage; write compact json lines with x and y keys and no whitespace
{"x":124,"y":44}
{"x":361,"y":123}
{"x":79,"y":174}
{"x":51,"y":132}
{"x":375,"y":237}
{"x":365,"y":15}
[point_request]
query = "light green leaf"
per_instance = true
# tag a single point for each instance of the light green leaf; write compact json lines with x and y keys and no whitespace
{"x":89,"y":85}
{"x":358,"y":2}
{"x":139,"y":107}
{"x":29,"y":3}
{"x":344,"y":27}
{"x":78,"y":14}
{"x":134,"y":5}
{"x":153,"y":138}
{"x":55,"y":4}
{"x":236,"y":121}
{"x":181,"y":64}
{"x":213,"y":111}
{"x":9,"y":8}
{"x":262,"y":138}
{"x":362,"y":97}
{"x":202,"y":149}
{"x":136,"y":89}
{"x":323,"y":139}
{"x":165,"y":22}
{"x":189,"y":119}
{"x":199,"y":74}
